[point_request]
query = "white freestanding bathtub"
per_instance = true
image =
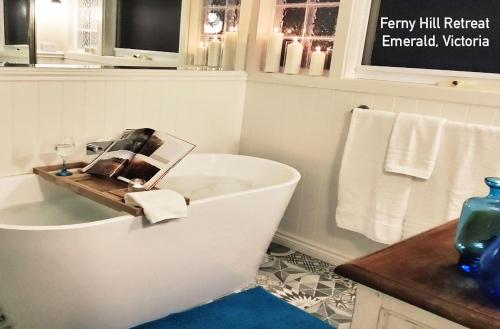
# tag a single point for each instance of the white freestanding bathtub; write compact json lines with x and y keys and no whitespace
{"x":69,"y":263}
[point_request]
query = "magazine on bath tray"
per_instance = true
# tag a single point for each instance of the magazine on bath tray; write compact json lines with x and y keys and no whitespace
{"x":140,"y":153}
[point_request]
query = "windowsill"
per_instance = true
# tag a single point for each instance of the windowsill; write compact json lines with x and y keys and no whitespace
{"x":70,"y":72}
{"x":486,"y":96}
{"x":118,"y":61}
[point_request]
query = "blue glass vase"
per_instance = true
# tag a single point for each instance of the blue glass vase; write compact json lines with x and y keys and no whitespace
{"x":489,"y":270}
{"x":478,"y":227}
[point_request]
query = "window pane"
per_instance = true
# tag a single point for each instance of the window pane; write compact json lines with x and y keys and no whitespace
{"x":323,"y":1}
{"x":140,"y":22}
{"x":15,"y":22}
{"x":286,"y":2}
{"x":431,"y":43}
{"x":291,"y":20}
{"x":233,"y":2}
{"x":214,"y":21}
{"x":325,"y":21}
{"x":232,"y":18}
{"x":215,"y":3}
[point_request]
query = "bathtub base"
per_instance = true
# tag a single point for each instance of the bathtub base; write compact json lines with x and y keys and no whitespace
{"x":119,"y":272}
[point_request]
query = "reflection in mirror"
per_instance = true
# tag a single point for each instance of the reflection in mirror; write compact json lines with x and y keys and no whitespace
{"x":139,"y":33}
{"x":110,"y":33}
{"x":14,"y":32}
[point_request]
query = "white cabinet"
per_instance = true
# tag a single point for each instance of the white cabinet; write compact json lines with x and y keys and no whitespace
{"x":375,"y":310}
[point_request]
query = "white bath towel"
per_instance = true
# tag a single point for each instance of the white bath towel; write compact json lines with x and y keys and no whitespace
{"x":467,"y":155}
{"x":159,"y":205}
{"x":414,"y":145}
{"x":379,"y":204}
{"x":371,"y":201}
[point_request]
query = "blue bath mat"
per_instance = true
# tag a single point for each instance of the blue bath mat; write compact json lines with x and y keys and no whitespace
{"x":251,"y":309}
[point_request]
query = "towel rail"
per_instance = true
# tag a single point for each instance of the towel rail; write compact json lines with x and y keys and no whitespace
{"x":364,"y":107}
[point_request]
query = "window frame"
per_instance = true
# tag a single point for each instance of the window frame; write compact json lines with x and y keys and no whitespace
{"x":109,"y":54}
{"x":349,"y":64}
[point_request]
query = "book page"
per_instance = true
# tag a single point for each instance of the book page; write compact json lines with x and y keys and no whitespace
{"x":160,"y":154}
{"x":119,"y":154}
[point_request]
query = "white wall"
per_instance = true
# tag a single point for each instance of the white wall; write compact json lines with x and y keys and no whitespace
{"x":52,"y":24}
{"x":36,"y":111}
{"x":306,"y":128}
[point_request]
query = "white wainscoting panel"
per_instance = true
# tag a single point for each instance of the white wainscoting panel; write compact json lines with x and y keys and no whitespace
{"x":306,"y":128}
{"x":36,"y":112}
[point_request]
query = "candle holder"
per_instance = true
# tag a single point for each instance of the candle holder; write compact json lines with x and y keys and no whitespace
{"x":214,"y":53}
{"x":200,"y":56}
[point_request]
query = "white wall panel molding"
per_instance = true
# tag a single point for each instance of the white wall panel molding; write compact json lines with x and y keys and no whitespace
{"x":486,"y":96}
{"x":312,"y":249}
{"x":41,"y":74}
{"x":34,"y":114}
{"x":306,"y":128}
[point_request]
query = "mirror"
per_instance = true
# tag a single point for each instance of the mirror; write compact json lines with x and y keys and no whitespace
{"x":94,"y":33}
{"x":14,"y":32}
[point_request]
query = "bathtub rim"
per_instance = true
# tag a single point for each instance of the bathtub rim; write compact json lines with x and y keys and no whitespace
{"x":296,"y":176}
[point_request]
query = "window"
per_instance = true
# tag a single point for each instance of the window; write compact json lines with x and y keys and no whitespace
{"x":149,"y":25}
{"x":87,"y":25}
{"x":15,"y":22}
{"x":313,"y":22}
{"x":135,"y":32}
{"x":426,"y":41}
{"x":220,"y":16}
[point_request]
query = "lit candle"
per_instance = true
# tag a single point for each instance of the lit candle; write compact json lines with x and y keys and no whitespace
{"x":200,"y":56}
{"x":229,"y":49}
{"x":293,"y":60}
{"x":214,"y":48}
{"x":273,"y":52}
{"x":317,"y":62}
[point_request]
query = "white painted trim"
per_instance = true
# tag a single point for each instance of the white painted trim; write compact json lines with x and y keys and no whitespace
{"x":486,"y":95}
{"x":350,"y":43}
{"x":42,"y":74}
{"x":310,"y":248}
{"x":2,"y":27}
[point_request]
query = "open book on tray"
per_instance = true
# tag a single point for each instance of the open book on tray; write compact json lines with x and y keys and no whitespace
{"x":140,"y":153}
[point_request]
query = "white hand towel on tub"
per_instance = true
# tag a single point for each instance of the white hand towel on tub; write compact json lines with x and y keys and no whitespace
{"x":159,"y":205}
{"x":371,"y":201}
{"x":414,"y":145}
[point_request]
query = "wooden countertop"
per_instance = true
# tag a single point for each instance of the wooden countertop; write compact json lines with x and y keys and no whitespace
{"x":422,"y":271}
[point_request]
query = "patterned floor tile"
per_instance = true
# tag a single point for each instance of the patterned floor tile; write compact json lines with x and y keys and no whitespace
{"x":308,"y":283}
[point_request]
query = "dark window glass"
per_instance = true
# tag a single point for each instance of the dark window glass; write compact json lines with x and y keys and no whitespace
{"x":325,"y":21}
{"x":293,"y":20}
{"x":430,"y":17}
{"x":149,"y":24}
{"x":16,"y":21}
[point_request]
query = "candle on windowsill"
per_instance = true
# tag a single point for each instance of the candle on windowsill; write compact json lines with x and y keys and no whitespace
{"x":200,"y":56}
{"x":293,"y":59}
{"x":317,"y":62}
{"x":229,"y":49}
{"x":214,"y":49}
{"x":273,"y":51}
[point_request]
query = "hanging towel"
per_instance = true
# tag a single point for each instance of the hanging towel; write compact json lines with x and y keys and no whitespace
{"x":158,"y":205}
{"x":371,"y":201}
{"x":414,"y":145}
{"x":468,"y":154}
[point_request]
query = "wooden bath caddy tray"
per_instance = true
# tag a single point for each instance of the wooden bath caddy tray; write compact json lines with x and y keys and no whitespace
{"x":108,"y":192}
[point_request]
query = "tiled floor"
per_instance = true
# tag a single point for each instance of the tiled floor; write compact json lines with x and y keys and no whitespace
{"x":309,"y":284}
